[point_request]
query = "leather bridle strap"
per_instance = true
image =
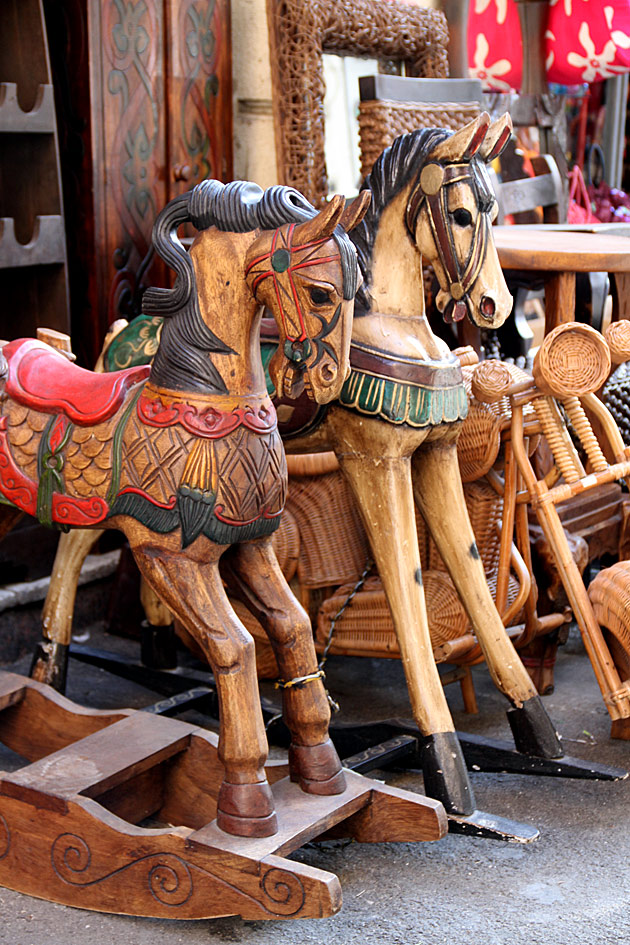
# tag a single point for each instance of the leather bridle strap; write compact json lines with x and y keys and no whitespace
{"x":432,"y":188}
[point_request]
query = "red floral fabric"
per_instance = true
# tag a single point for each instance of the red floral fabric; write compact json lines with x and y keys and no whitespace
{"x":585,"y":41}
{"x":495,"y":47}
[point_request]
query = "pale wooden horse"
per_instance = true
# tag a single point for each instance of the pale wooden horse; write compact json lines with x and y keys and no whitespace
{"x":185,"y":457}
{"x":395,"y":427}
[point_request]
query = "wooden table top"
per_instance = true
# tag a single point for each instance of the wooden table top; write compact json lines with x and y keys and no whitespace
{"x":557,"y":250}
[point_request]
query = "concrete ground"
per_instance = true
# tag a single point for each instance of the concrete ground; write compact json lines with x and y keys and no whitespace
{"x":570,"y":887}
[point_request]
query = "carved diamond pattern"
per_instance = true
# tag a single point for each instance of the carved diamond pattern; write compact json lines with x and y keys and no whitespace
{"x":252,"y":475}
{"x":154,"y":458}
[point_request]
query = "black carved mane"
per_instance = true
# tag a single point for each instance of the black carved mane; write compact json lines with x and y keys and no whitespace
{"x":396,"y":167}
{"x":182,"y":361}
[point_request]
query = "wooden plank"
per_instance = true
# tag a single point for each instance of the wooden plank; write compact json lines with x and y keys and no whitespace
{"x":43,"y":721}
{"x":88,"y":858}
{"x":301,"y":817}
{"x":99,"y":762}
{"x":397,"y":816}
{"x":12,"y":689}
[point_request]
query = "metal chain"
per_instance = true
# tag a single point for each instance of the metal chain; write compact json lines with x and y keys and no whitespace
{"x":280,"y":684}
{"x":355,"y":590}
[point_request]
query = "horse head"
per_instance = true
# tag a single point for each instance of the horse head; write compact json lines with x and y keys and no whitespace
{"x":449,"y":214}
{"x":307,"y":275}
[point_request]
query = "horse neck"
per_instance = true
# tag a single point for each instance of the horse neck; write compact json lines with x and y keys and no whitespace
{"x":397,"y":321}
{"x":228,"y":308}
{"x":396,"y":284}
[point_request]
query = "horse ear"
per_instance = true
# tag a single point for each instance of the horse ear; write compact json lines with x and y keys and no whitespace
{"x":462,"y":144}
{"x":321,"y":226}
{"x":497,"y":136}
{"x":355,"y":210}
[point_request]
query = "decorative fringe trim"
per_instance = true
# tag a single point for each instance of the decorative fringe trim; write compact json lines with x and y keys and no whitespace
{"x":400,"y":403}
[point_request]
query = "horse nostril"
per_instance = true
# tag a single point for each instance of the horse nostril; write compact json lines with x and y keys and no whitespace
{"x":487,"y":306}
{"x":329,"y":373}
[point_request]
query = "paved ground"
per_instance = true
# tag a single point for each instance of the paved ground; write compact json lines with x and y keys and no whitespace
{"x":571,"y":887}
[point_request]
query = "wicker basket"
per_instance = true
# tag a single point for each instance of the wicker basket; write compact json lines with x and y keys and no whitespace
{"x":333,"y":544}
{"x":609,"y":593}
{"x":366,"y":628}
{"x":381,"y":121}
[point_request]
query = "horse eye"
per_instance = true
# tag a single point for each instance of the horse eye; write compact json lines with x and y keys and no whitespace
{"x":319,"y":296}
{"x":462,"y":217}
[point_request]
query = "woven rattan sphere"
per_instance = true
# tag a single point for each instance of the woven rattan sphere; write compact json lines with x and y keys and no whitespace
{"x":618,"y":337}
{"x":491,"y":381}
{"x":573,"y":359}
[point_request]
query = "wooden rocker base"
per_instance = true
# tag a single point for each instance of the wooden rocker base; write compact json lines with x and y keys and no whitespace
{"x":73,"y":822}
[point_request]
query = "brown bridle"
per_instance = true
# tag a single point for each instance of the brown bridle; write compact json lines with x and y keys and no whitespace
{"x":431,"y":188}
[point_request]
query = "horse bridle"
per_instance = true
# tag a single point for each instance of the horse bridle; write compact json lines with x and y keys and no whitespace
{"x":431,"y":188}
{"x":297,"y":348}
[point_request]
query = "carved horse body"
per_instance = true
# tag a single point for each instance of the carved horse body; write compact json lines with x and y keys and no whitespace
{"x":185,"y":456}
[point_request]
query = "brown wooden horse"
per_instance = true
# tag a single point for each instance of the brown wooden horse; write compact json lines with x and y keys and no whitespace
{"x":185,"y":457}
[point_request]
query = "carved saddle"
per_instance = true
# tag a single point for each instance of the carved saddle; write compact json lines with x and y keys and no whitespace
{"x":42,"y":379}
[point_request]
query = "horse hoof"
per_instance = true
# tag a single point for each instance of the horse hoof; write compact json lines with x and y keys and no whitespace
{"x":246,"y":810}
{"x":317,"y":768}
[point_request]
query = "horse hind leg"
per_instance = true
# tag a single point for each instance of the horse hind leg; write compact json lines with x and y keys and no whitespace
{"x":439,"y":495}
{"x":50,"y":660}
{"x":382,"y":487}
{"x":254,"y":575}
{"x":193,"y":591}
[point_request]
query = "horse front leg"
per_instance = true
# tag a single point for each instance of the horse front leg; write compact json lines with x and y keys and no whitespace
{"x":379,"y":474}
{"x":439,"y":495}
{"x":253,"y":573}
{"x":189,"y":584}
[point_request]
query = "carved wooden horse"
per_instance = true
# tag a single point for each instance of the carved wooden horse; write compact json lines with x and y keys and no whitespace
{"x":395,"y":426}
{"x":185,"y":457}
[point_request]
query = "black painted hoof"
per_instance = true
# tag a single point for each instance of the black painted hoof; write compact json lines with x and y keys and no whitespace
{"x":317,"y":768}
{"x":247,"y":810}
{"x":158,"y":646}
{"x":50,"y":664}
{"x":445,"y":773}
{"x":534,"y":732}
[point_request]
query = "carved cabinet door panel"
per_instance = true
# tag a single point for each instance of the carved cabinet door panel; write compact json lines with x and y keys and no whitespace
{"x":145,"y":92}
{"x":128,"y":118}
{"x":199,"y":92}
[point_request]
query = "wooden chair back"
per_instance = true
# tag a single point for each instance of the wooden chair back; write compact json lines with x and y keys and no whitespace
{"x":520,"y":196}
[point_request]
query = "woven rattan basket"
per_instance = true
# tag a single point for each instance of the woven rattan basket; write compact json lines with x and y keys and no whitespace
{"x":609,"y":593}
{"x":366,"y":628}
{"x":381,"y":121}
{"x":333,"y":544}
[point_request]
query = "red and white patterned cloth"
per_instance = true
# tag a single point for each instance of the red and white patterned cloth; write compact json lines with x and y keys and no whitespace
{"x":585,"y":41}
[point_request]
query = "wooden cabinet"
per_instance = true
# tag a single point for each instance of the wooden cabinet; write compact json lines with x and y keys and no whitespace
{"x":144,"y":96}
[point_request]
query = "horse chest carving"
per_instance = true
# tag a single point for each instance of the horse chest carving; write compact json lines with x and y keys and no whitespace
{"x":216,"y":468}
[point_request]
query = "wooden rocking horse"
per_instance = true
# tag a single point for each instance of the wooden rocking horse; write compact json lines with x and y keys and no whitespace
{"x":395,"y":424}
{"x":185,"y":457}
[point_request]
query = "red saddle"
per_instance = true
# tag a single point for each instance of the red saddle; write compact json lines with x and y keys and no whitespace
{"x":41,"y":378}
